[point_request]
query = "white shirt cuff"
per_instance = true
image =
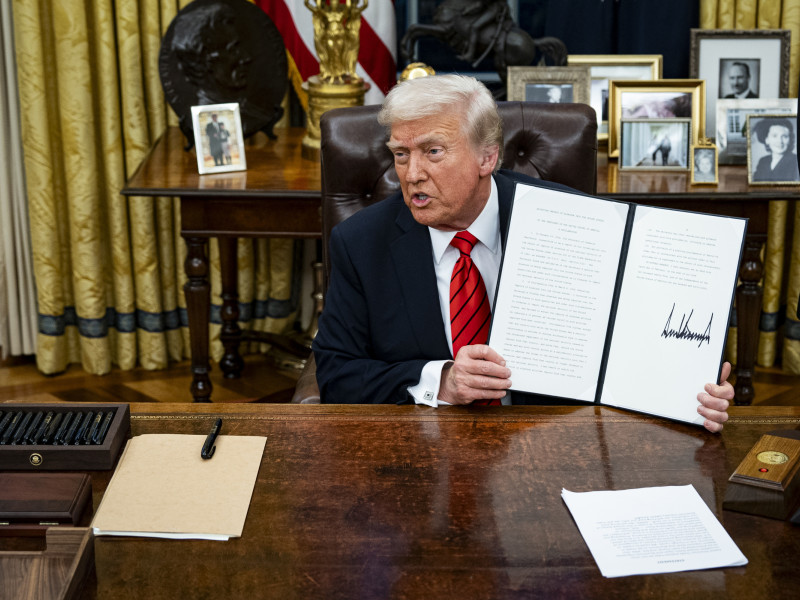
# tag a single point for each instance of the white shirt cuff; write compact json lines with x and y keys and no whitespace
{"x":427,"y":390}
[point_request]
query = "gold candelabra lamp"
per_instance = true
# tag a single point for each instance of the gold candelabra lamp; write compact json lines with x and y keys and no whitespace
{"x":336,"y":39}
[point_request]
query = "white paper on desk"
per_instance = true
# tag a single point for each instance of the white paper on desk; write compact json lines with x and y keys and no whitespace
{"x":162,"y":488}
{"x":651,"y":530}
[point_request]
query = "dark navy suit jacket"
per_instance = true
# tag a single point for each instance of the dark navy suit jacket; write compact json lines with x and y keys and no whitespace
{"x":382,"y":321}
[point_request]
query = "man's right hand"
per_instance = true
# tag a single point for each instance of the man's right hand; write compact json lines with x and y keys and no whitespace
{"x":478,"y":373}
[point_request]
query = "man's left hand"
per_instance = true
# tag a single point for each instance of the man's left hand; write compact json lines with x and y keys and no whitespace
{"x":714,"y":401}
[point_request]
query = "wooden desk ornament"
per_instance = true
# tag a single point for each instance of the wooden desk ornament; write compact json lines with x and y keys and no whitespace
{"x":62,"y":437}
{"x":767,"y":481}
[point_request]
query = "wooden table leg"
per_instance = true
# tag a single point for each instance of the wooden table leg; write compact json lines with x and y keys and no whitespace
{"x":231,"y":334}
{"x":197,"y":291}
{"x":748,"y":313}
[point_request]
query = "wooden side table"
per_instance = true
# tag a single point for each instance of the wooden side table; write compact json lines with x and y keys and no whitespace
{"x":278,"y":196}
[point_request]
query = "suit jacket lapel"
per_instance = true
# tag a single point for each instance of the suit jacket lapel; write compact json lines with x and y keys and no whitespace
{"x":505,"y":195}
{"x":412,"y":255}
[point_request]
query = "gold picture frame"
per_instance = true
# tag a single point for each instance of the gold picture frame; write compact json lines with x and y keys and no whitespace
{"x":760,"y":169}
{"x":664,"y":98}
{"x":549,"y":84}
{"x":655,"y":144}
{"x":704,"y":163}
{"x":607,"y":67}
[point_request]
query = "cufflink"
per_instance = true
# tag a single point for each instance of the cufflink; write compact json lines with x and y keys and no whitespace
{"x":428,"y":396}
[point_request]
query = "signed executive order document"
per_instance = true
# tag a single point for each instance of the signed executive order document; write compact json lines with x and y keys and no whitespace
{"x":627,"y":305}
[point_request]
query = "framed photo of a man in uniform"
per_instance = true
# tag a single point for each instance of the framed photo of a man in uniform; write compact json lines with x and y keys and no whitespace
{"x":218,"y":138}
{"x":739,"y":64}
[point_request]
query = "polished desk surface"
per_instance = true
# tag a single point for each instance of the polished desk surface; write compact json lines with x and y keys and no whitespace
{"x":414,"y":502}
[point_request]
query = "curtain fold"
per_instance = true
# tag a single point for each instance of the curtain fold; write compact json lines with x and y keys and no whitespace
{"x":109,"y":269}
{"x":779,"y":336}
{"x":17,"y":290}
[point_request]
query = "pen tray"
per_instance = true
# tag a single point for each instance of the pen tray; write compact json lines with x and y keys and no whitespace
{"x":40,"y":457}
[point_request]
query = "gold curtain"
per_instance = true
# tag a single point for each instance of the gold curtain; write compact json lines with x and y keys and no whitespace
{"x":109,"y":270}
{"x":781,"y":263}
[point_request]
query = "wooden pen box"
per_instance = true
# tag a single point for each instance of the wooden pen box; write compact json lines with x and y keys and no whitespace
{"x":49,"y":457}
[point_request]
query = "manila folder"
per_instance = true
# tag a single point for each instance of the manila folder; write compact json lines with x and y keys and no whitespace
{"x":162,"y":488}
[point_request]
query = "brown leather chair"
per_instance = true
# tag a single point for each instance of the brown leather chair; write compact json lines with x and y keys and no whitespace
{"x":554,"y":142}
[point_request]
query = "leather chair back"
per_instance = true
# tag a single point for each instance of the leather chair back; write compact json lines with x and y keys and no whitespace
{"x":554,"y":142}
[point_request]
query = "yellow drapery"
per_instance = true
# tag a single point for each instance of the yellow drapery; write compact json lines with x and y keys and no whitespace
{"x":781,"y":269}
{"x":109,"y":271}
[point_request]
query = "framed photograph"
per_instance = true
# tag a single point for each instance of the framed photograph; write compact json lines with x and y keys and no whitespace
{"x":732,"y":118}
{"x":549,"y":84}
{"x":772,"y":150}
{"x":605,"y":67}
{"x":661,"y":99}
{"x":739,"y":64}
{"x":655,"y":144}
{"x":704,"y":164}
{"x":218,"y":138}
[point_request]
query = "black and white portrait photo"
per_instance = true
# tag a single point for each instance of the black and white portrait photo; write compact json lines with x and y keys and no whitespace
{"x":704,"y":167}
{"x":772,"y":149}
{"x":739,"y":77}
{"x":655,"y":144}
{"x":547,"y":92}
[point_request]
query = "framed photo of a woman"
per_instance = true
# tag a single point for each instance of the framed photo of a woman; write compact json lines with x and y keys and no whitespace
{"x":772,"y":150}
{"x":704,"y":165}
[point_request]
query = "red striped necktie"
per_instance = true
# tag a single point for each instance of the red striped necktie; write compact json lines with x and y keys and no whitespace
{"x":470,"y":313}
{"x":469,"y":304}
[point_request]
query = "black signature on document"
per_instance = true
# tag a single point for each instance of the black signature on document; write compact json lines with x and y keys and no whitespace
{"x":684,"y":332}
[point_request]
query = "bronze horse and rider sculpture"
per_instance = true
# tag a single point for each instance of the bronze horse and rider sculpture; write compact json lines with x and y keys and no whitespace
{"x":475,"y":29}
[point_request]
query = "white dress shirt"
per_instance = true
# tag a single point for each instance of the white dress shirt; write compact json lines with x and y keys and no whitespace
{"x":487,"y":255}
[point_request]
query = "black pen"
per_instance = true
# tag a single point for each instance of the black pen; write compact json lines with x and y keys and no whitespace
{"x":51,"y":430}
{"x":209,"y":448}
{"x":81,"y":431}
{"x":63,"y":429}
{"x":5,"y":421}
{"x":73,"y":427}
{"x":37,"y":437}
{"x":90,"y":432}
{"x":20,"y":431}
{"x":28,"y":436}
{"x":100,"y":434}
{"x":10,"y":427}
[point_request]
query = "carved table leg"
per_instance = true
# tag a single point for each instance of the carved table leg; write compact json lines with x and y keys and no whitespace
{"x":231,"y":334}
{"x":748,"y":312}
{"x":197,"y":291}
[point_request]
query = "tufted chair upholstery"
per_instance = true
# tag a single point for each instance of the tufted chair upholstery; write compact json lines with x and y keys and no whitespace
{"x":554,"y":142}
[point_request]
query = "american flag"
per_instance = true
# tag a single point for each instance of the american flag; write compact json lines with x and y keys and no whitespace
{"x":376,"y":54}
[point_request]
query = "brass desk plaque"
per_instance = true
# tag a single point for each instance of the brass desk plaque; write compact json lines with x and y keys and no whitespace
{"x":767,"y":481}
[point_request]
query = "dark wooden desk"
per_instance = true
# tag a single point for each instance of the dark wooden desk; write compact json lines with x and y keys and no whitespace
{"x":732,"y":197}
{"x":278,"y":196}
{"x":413,"y":502}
